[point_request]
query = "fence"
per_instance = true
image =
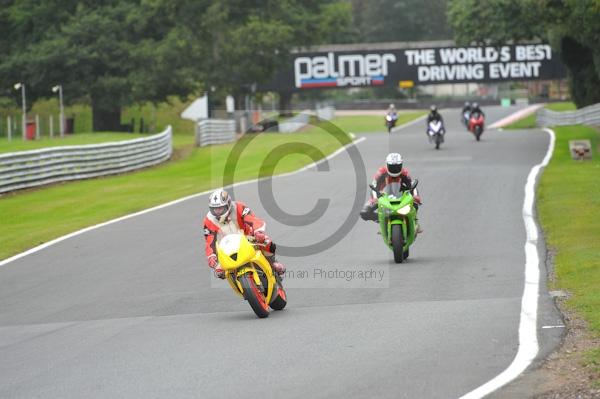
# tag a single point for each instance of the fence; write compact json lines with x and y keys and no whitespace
{"x":215,"y":131}
{"x":587,"y":116}
{"x":295,"y":123}
{"x":25,"y":169}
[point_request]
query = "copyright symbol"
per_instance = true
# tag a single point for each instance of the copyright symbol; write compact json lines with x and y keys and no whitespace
{"x":265,"y":186}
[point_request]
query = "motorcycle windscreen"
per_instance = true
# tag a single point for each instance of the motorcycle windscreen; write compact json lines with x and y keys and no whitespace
{"x":393,"y":189}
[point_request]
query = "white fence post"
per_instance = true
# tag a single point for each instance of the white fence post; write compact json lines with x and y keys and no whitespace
{"x":9,"y":127}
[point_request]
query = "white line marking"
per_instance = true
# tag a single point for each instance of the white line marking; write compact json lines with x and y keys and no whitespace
{"x":177,"y":201}
{"x":516,"y":116}
{"x":553,"y":326}
{"x":528,"y":343}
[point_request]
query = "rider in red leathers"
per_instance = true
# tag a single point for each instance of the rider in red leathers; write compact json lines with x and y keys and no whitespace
{"x":228,"y":217}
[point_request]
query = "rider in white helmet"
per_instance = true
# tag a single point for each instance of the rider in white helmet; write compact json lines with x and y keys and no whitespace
{"x":392,"y":172}
{"x":227,"y":217}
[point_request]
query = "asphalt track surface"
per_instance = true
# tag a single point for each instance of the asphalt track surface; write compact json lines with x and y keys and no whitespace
{"x":127,"y":310}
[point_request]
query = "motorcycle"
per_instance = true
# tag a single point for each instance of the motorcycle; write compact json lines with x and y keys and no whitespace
{"x":435,"y":131}
{"x":465,"y":118}
{"x":250,"y":274}
{"x":390,"y":122}
{"x":397,"y":218}
{"x":476,"y":123}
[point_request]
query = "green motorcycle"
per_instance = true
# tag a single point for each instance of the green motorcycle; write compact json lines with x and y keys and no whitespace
{"x":397,"y":218}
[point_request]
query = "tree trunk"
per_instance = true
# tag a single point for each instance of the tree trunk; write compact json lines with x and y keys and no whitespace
{"x":106,"y":117}
{"x":285,"y":103}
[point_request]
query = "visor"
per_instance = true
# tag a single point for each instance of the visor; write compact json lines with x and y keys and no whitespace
{"x":394,"y":170}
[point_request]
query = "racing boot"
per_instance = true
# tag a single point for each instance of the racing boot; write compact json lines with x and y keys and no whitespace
{"x":278,"y":267}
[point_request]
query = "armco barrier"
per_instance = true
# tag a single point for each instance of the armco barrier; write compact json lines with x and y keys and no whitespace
{"x":215,"y":131}
{"x":25,"y":169}
{"x":586,"y":116}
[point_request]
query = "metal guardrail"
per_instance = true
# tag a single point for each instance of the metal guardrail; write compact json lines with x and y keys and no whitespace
{"x":586,"y":116}
{"x":26,"y":169}
{"x":215,"y":131}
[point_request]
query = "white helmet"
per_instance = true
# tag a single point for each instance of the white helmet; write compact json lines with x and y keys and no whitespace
{"x":219,"y":203}
{"x":394,"y":164}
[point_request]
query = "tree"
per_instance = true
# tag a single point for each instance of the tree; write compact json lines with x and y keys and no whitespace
{"x":407,"y":20}
{"x":571,"y":26}
{"x":114,"y":53}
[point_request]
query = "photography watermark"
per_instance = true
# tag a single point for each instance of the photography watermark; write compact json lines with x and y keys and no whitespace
{"x":323,"y":276}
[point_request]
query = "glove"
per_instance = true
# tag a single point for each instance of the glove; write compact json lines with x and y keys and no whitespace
{"x":219,"y":272}
{"x":260,"y":237}
{"x":212,"y":261}
{"x":417,"y":199}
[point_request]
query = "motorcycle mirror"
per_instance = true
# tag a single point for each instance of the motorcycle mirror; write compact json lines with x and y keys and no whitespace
{"x":415,"y":183}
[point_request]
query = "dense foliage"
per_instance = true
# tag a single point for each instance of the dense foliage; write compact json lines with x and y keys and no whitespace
{"x":571,"y":26}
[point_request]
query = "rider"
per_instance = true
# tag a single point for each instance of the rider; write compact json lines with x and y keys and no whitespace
{"x":392,"y":111}
{"x":476,"y":110}
{"x":434,"y":115}
{"x":226,"y":217}
{"x":392,"y":172}
{"x":467,"y":107}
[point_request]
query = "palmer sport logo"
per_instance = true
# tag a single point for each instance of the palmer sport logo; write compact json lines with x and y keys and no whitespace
{"x":342,"y":71}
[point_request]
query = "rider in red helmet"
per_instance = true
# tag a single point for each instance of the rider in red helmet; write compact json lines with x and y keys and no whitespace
{"x":228,"y":217}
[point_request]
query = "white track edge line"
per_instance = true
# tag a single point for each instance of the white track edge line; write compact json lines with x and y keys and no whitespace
{"x":528,"y":343}
{"x":174,"y":202}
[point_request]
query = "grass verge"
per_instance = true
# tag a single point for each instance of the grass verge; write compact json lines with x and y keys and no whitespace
{"x":569,"y":211}
{"x":372,"y":123}
{"x":529,"y":121}
{"x":32,"y":217}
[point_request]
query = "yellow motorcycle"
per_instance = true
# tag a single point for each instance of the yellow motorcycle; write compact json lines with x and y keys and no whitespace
{"x":250,"y":274}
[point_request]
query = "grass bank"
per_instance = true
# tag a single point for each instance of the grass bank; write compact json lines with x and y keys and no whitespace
{"x":529,"y":121}
{"x":569,"y":211}
{"x":372,"y":123}
{"x":32,"y":217}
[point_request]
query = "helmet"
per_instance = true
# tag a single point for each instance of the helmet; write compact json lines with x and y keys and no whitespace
{"x":219,"y":203}
{"x":392,"y":106}
{"x":467,"y":104}
{"x":433,"y":108}
{"x":394,"y":164}
{"x":475,"y":105}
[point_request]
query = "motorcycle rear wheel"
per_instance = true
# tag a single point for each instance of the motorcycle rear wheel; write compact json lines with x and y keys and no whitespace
{"x":397,"y":243}
{"x":254,"y":296}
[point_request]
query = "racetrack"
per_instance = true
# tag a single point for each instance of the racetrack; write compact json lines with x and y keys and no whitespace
{"x":127,"y":310}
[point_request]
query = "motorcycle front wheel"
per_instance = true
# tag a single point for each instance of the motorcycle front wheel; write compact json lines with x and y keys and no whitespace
{"x":478,"y":132}
{"x":397,"y":243}
{"x":254,"y":296}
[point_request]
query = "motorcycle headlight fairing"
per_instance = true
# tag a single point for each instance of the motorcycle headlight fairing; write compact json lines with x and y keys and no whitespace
{"x":404,"y":210}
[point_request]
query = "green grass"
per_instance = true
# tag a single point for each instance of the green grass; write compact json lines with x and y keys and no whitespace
{"x":72,"y":139}
{"x":529,"y":121}
{"x":372,"y":123}
{"x":569,"y":211}
{"x":32,"y":217}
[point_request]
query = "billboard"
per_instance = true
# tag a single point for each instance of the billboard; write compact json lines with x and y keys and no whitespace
{"x":418,"y":66}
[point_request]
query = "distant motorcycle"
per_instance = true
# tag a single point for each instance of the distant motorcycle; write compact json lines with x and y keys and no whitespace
{"x":476,"y":123}
{"x":465,"y":118}
{"x":435,"y":131}
{"x":390,"y":122}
